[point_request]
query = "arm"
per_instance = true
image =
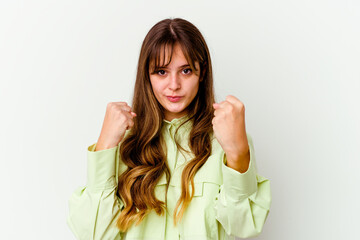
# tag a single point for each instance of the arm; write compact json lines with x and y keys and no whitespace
{"x":94,"y":208}
{"x":243,"y":203}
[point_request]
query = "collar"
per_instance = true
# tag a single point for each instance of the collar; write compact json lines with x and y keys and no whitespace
{"x":177,"y":121}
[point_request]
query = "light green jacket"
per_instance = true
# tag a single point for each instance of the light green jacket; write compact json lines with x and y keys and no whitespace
{"x":226,"y":203}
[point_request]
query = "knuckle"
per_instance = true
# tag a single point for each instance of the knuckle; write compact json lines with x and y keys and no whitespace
{"x":122,"y":117}
{"x":241,"y":106}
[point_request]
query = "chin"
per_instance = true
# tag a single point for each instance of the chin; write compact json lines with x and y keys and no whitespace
{"x":175,"y":110}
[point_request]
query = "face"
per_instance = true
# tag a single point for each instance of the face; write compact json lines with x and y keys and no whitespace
{"x":175,"y":80}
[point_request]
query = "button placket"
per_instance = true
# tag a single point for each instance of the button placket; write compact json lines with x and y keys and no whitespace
{"x":174,"y":148}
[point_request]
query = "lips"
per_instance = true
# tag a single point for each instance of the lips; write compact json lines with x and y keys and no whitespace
{"x":174,"y":98}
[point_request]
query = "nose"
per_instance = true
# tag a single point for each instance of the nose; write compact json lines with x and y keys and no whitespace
{"x":174,"y":82}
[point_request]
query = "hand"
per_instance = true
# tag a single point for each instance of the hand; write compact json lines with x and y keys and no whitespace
{"x":229,"y":128}
{"x":118,"y":119}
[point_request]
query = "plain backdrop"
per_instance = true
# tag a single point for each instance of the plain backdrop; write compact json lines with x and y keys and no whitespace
{"x":294,"y":64}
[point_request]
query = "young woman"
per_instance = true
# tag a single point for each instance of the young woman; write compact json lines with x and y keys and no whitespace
{"x":175,"y":165}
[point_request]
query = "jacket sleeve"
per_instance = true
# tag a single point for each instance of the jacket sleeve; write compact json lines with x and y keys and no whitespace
{"x":94,"y":208}
{"x":244,"y":200}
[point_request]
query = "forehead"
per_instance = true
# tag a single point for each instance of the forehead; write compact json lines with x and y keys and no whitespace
{"x":163,"y":55}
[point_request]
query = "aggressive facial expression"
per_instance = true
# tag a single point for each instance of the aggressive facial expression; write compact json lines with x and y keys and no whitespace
{"x":175,"y":85}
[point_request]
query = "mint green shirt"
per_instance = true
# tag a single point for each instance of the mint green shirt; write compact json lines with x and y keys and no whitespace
{"x":226,"y":203}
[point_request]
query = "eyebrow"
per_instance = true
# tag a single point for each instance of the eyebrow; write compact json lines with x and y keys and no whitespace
{"x":185,"y":65}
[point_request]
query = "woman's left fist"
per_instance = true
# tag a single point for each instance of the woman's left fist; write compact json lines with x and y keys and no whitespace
{"x":229,"y":126}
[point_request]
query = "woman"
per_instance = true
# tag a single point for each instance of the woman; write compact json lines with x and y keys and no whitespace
{"x":175,"y":165}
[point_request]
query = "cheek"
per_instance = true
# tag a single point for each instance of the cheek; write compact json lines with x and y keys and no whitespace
{"x":157,"y":88}
{"x":194,"y":86}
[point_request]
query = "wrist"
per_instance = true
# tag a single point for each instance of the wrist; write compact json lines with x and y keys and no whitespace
{"x":237,"y":154}
{"x":101,"y":145}
{"x":239,"y":162}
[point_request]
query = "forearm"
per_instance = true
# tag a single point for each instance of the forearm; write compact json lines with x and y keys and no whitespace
{"x":238,"y":162}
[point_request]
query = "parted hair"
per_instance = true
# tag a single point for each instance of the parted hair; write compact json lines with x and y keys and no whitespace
{"x":142,"y":150}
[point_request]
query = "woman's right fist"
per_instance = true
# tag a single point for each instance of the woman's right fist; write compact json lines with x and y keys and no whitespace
{"x":118,"y":119}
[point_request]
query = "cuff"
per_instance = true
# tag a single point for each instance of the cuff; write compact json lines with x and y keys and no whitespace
{"x":240,"y":185}
{"x":101,"y":168}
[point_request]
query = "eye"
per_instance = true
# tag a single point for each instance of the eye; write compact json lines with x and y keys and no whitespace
{"x":160,"y":72}
{"x":187,"y":70}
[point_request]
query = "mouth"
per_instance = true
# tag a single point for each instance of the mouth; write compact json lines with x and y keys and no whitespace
{"x":174,"y":98}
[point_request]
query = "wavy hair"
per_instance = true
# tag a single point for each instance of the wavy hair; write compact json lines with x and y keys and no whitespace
{"x":142,"y":150}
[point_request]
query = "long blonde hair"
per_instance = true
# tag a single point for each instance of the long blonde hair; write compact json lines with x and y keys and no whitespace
{"x":141,"y":150}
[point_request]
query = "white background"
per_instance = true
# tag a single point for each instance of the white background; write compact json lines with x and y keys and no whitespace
{"x":294,"y":64}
